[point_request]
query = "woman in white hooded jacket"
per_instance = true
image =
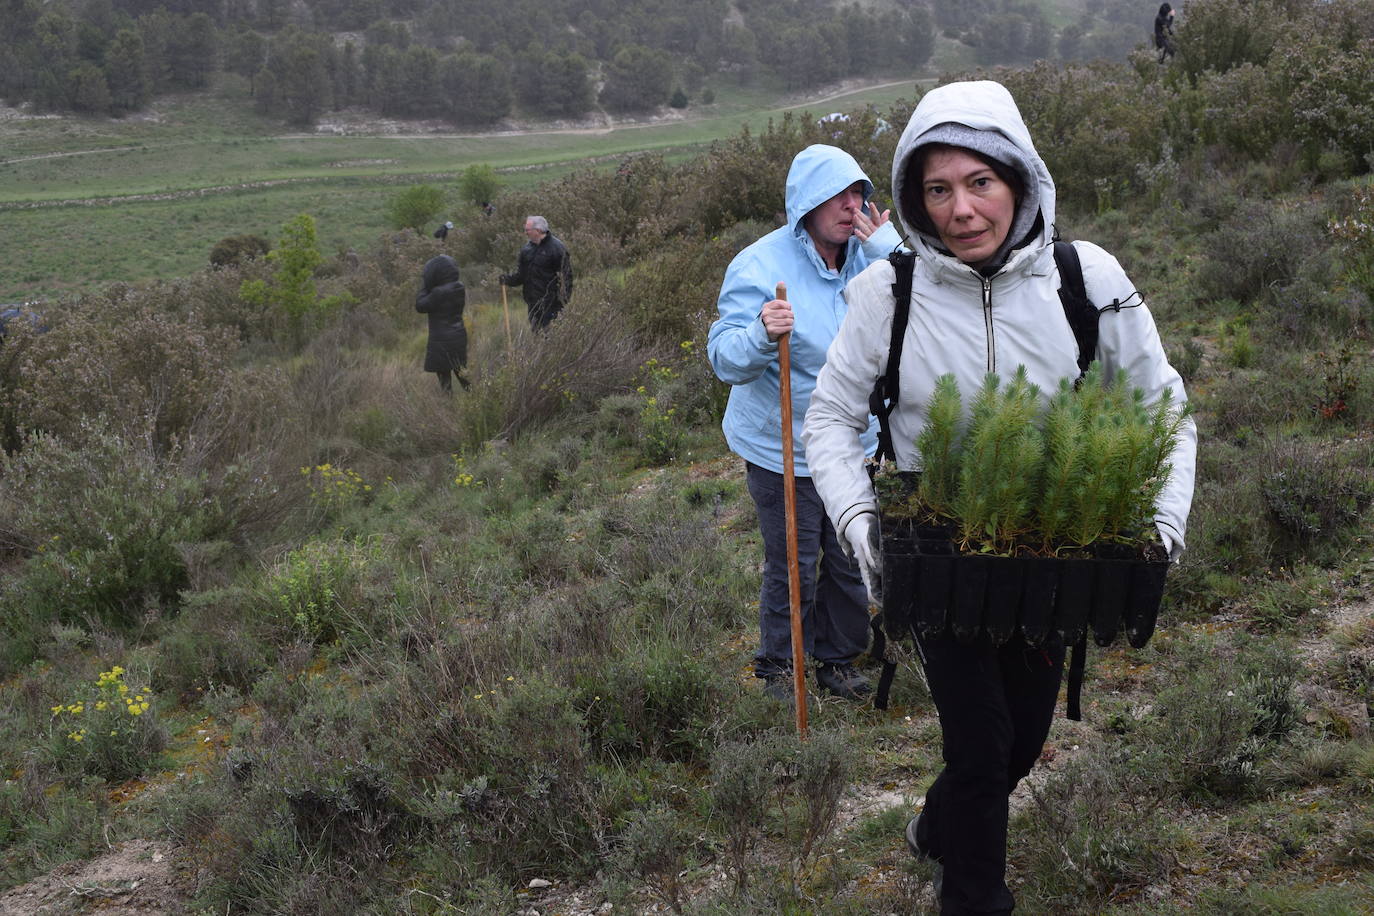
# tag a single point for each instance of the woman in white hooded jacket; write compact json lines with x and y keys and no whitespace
{"x":978,"y":206}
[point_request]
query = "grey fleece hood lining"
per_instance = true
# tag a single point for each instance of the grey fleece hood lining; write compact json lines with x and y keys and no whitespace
{"x":972,"y":108}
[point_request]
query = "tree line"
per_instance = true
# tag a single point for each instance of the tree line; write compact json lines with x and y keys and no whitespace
{"x":475,"y":62}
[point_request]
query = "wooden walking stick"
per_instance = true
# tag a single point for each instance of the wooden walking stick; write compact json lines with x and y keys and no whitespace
{"x":789,"y":500}
{"x":505,"y":307}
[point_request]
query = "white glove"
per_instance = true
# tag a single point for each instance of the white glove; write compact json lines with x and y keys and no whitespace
{"x":1170,"y":542}
{"x":860,"y":540}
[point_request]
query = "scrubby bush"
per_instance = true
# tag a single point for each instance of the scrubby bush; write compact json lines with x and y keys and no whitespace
{"x":233,"y":250}
{"x":1259,"y":249}
{"x":415,"y":207}
{"x":1316,"y":496}
{"x":103,"y":523}
{"x":317,"y":590}
{"x":654,"y":702}
{"x":146,"y":374}
{"x":1095,"y":127}
{"x":110,"y":730}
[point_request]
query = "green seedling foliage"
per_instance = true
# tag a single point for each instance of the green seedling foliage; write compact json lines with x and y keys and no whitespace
{"x":1088,"y":467}
{"x":1000,"y":468}
{"x":1064,"y":463}
{"x":938,"y":444}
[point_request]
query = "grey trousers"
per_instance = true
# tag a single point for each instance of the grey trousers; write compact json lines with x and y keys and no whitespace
{"x":834,"y":602}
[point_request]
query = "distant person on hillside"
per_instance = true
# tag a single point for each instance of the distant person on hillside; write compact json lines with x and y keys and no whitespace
{"x":544,"y":269}
{"x":442,"y":232}
{"x":827,"y":239}
{"x":442,"y":298}
{"x":487,"y":208}
{"x":1164,"y":31}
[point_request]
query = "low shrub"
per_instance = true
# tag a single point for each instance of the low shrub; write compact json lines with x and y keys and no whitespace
{"x":147,"y":375}
{"x":317,"y":590}
{"x":233,"y":250}
{"x":103,"y":524}
{"x":655,"y":701}
{"x":654,"y":847}
{"x":110,"y":730}
{"x":1316,"y":496}
{"x":1213,"y":725}
{"x":1262,"y":247}
{"x":1091,"y":834}
{"x":741,"y":784}
{"x":215,"y":642}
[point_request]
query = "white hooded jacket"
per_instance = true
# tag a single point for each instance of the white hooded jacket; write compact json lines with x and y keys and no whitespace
{"x":966,"y":324}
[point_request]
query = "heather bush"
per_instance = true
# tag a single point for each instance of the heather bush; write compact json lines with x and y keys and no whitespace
{"x":103,"y":525}
{"x":741,"y":783}
{"x":587,"y":353}
{"x":670,"y":294}
{"x":1095,"y":126}
{"x":1214,"y":726}
{"x":1091,"y":833}
{"x":1235,"y":109}
{"x":1218,"y":35}
{"x":1260,"y":248}
{"x":1316,"y":496}
{"x":1331,"y":84}
{"x":146,"y":374}
{"x":654,"y":846}
{"x":233,"y":250}
{"x":655,"y":701}
{"x":218,"y":641}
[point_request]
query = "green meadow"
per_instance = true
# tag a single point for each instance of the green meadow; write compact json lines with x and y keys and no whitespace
{"x":88,"y":202}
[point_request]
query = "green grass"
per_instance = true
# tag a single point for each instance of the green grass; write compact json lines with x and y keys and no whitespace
{"x":76,"y":192}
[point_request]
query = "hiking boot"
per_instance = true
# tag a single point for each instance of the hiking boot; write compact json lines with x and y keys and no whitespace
{"x":922,"y":855}
{"x":778,"y":686}
{"x":913,"y":839}
{"x":844,"y":680}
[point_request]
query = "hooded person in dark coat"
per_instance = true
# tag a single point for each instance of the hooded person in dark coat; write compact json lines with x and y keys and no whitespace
{"x":1164,"y":31}
{"x":442,"y":298}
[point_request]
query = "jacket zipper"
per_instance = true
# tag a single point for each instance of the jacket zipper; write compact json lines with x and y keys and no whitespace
{"x":987,"y":323}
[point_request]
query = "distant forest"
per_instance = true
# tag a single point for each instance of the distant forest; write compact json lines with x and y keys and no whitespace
{"x":475,"y":62}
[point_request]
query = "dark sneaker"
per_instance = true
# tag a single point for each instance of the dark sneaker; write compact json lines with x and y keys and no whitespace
{"x":844,"y":680}
{"x":779,"y":686}
{"x":919,"y":852}
{"x":913,"y":841}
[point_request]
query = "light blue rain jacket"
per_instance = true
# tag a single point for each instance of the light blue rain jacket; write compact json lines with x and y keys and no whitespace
{"x":738,"y":345}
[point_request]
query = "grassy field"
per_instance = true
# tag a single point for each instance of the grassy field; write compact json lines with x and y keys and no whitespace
{"x":89,"y":202}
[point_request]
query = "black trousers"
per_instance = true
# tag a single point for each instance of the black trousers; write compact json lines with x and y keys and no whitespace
{"x":995,"y":706}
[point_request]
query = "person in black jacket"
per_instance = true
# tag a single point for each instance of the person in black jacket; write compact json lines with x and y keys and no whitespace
{"x":544,"y":270}
{"x":442,"y":298}
{"x":1164,"y":31}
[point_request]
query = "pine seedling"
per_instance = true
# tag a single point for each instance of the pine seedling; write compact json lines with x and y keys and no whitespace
{"x":938,"y":445}
{"x":1000,"y":468}
{"x":1064,"y":460}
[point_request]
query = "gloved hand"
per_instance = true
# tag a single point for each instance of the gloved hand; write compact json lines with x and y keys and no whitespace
{"x":860,"y":540}
{"x":1171,"y":544}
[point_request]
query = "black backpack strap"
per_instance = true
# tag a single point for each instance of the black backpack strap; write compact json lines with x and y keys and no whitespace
{"x":884,"y":684}
{"x":883,"y":398}
{"x":1078,"y":661}
{"x":1078,"y":308}
{"x":881,"y":402}
{"x":1082,"y":316}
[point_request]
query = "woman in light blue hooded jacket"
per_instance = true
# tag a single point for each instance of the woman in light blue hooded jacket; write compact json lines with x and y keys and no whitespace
{"x":828,"y":239}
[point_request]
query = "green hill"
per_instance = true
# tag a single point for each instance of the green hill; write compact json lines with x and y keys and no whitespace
{"x":274,"y":610}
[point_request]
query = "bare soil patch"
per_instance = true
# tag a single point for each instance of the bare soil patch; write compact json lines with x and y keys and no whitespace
{"x":136,"y":878}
